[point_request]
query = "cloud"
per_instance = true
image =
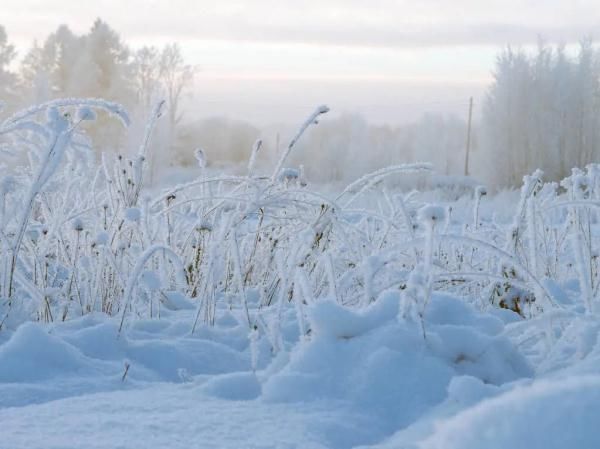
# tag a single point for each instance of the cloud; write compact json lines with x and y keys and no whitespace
{"x":377,"y":23}
{"x":373,"y":36}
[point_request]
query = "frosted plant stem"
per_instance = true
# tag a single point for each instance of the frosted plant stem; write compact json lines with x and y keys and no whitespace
{"x":312,"y":119}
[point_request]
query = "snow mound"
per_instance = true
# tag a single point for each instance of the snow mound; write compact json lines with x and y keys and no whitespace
{"x":463,"y":392}
{"x":41,"y":362}
{"x":470,"y":341}
{"x":469,"y":390}
{"x":576,"y":351}
{"x":329,"y":319}
{"x":448,"y":310}
{"x":176,"y":301}
{"x":31,"y":354}
{"x":151,"y":352}
{"x":385,"y":367}
{"x":546,"y":415}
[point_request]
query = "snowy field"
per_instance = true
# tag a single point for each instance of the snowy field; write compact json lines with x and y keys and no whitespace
{"x":260,"y":311}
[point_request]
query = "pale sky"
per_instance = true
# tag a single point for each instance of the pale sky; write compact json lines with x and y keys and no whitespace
{"x":268,"y":60}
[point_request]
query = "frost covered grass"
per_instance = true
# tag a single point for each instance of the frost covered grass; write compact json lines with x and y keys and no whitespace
{"x":259,"y":287}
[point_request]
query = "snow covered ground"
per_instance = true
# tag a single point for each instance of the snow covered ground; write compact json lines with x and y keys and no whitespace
{"x":364,"y":378}
{"x":257,"y":311}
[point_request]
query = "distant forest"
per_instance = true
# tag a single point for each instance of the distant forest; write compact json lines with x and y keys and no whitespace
{"x":542,"y":110}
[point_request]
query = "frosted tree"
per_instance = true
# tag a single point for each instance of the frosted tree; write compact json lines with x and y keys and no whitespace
{"x":35,"y":74}
{"x":506,"y":115}
{"x":96,"y":64}
{"x":8,"y":80}
{"x":162,"y":75}
{"x":147,"y":76}
{"x":107,"y":59}
{"x":542,"y":111}
{"x":561,"y":73}
{"x":586,"y":114}
{"x":175,"y":76}
{"x":56,"y":59}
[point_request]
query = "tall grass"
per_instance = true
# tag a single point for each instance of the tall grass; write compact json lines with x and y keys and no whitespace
{"x":79,"y":236}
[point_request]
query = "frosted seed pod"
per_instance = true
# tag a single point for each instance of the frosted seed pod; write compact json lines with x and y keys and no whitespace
{"x":85,"y":113}
{"x":133,"y":214}
{"x":289,"y":175}
{"x":77,"y":224}
{"x":432,"y":214}
{"x":204,"y":226}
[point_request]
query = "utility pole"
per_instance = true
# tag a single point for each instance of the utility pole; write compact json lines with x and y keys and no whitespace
{"x":468,"y":149}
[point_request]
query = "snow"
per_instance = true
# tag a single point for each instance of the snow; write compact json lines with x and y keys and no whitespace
{"x":331,"y":320}
{"x":238,"y":311}
{"x":364,"y":376}
{"x":374,"y":362}
{"x":165,"y":416}
{"x":544,"y":415}
{"x":242,"y":386}
{"x":33,"y":355}
{"x":87,"y":353}
{"x":102,"y":238}
{"x":361,"y":376}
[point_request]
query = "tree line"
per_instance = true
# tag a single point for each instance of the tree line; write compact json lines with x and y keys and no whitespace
{"x":97,"y":64}
{"x":541,"y":110}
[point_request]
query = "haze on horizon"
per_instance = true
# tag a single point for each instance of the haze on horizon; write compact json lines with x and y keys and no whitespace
{"x":267,"y":60}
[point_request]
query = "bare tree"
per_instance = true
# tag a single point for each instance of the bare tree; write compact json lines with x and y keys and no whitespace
{"x":175,"y":75}
{"x":147,"y":69}
{"x":7,"y":78}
